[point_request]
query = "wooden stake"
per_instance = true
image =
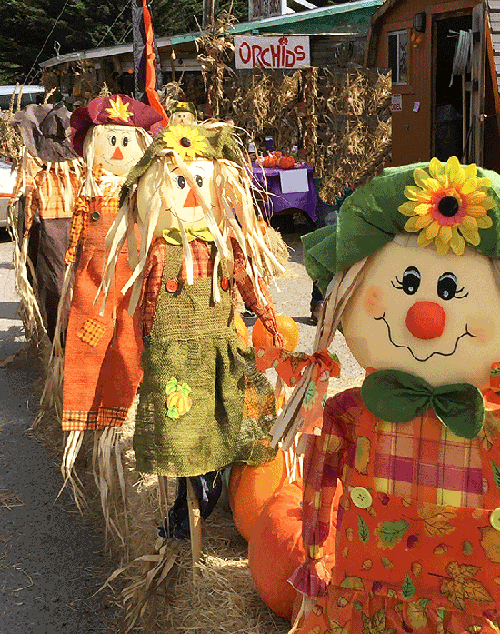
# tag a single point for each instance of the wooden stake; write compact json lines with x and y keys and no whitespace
{"x":194,"y":527}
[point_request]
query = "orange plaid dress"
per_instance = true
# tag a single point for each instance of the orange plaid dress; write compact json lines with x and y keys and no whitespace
{"x":417,"y":543}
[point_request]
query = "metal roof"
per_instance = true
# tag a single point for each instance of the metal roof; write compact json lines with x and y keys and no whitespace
{"x":349,"y":17}
{"x":9,"y":90}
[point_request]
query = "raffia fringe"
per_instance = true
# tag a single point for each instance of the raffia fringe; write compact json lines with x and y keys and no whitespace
{"x":305,"y":607}
{"x":137,"y":594}
{"x":72,"y":447}
{"x":30,"y":312}
{"x":109,"y":478}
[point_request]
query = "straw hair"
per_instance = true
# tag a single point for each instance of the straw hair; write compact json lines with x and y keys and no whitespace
{"x":230,"y":215}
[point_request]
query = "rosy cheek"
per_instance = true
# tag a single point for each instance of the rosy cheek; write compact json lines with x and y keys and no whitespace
{"x":373,"y":302}
{"x":481,"y":328}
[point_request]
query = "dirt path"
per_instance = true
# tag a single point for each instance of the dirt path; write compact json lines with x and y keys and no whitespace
{"x":50,"y":561}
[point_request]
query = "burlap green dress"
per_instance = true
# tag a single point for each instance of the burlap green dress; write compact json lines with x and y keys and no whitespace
{"x":202,"y":405}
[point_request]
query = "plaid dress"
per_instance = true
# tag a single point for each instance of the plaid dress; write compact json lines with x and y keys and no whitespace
{"x":417,"y":543}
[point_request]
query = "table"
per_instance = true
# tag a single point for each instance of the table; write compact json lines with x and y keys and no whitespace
{"x":269,"y":179}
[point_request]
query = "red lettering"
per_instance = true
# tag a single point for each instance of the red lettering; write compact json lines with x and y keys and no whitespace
{"x":275,"y":52}
{"x":289,"y":59}
{"x":245,"y":53}
{"x":300,"y":54}
{"x":256,"y":51}
{"x":283,"y":56}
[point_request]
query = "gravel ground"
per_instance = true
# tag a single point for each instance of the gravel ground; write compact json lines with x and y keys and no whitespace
{"x":51,"y":562}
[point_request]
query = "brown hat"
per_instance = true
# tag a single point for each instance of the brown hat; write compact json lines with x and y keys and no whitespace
{"x":45,"y":131}
{"x":117,"y":110}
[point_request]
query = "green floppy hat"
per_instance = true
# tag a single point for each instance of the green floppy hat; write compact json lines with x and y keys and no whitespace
{"x":373,"y":215}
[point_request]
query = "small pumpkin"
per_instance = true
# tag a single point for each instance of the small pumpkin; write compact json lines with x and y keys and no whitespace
{"x":286,"y":162}
{"x":178,"y":401}
{"x":250,"y":488}
{"x":276,"y":549}
{"x":270,"y":161}
{"x":277,"y":154}
{"x":241,"y":329}
{"x":262,"y":338}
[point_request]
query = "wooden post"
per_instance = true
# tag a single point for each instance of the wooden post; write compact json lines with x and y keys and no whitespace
{"x":208,"y":13}
{"x":194,"y":527}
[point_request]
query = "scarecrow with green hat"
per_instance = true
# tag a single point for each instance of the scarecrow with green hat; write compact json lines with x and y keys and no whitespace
{"x":183,"y":112}
{"x":202,"y":403}
{"x":412,"y":457}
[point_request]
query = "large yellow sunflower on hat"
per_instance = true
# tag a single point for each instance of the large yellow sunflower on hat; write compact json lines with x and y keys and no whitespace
{"x":185,"y":140}
{"x":448,"y":205}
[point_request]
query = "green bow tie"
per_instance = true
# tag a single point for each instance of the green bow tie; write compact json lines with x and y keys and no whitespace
{"x":397,"y":397}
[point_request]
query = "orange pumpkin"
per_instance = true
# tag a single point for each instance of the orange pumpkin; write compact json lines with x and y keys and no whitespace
{"x":286,"y":162}
{"x":262,"y":338}
{"x":277,"y":154}
{"x":179,"y":400}
{"x":275,"y":548}
{"x":270,"y":161}
{"x":250,"y":488}
{"x":241,"y":329}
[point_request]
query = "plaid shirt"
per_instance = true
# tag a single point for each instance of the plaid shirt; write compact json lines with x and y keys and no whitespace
{"x":46,"y":196}
{"x":203,"y":266}
{"x":84,"y":207}
{"x":420,"y":460}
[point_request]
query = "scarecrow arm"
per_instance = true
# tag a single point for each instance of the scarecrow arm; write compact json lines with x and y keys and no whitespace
{"x":266,"y":312}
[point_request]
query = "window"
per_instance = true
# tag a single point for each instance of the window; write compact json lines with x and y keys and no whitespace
{"x":397,"y":48}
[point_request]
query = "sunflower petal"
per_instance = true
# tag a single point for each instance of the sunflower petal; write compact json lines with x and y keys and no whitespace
{"x":484,"y":222}
{"x":470,"y":171}
{"x":408,"y":208}
{"x":412,"y":192}
{"x":422,"y":241}
{"x":471,"y":235}
{"x":436,"y":168}
{"x":423,"y":221}
{"x":442,"y":247}
{"x":454,"y":171}
{"x":488,"y":203}
{"x":410,"y":224}
{"x":476,"y":211}
{"x":422,"y":209}
{"x":468,"y":221}
{"x":432,"y":230}
{"x":445,"y":233}
{"x":457,"y":243}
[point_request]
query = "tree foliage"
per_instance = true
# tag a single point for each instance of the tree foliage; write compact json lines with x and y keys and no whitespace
{"x":26,"y":25}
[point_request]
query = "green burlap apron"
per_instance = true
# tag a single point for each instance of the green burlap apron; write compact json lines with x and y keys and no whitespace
{"x":202,"y":404}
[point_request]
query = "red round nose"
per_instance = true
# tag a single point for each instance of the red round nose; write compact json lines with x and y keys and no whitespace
{"x":425,"y":320}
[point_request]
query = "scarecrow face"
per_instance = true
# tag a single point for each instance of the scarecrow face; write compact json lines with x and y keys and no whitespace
{"x":180,"y":202}
{"x":181,"y":118}
{"x":431,"y":315}
{"x":116,"y":148}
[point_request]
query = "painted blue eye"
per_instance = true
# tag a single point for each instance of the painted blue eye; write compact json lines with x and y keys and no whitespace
{"x":181,"y":182}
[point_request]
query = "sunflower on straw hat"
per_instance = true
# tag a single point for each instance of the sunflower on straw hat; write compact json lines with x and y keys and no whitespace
{"x":448,"y":205}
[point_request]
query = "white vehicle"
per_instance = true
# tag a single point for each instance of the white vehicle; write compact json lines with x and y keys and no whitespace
{"x":7,"y":182}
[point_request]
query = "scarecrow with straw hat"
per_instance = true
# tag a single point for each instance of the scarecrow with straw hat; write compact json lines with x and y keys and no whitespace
{"x":202,"y":403}
{"x":102,"y":351}
{"x":411,"y":271}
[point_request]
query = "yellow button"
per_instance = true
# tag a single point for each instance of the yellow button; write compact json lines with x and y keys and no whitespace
{"x":361,"y":497}
{"x":495,"y":519}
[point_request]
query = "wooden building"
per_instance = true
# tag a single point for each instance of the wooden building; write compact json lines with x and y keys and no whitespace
{"x":435,"y":113}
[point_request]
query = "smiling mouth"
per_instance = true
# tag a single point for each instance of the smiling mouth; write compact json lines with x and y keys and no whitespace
{"x":437,"y":353}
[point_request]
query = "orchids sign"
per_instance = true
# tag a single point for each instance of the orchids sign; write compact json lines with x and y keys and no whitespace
{"x":254,"y":51}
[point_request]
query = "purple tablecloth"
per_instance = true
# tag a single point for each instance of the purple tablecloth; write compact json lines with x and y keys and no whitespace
{"x":269,"y":179}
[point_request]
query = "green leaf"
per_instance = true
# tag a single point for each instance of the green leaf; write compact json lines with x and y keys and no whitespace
{"x":440,"y":613}
{"x":311,"y":392}
{"x":467,"y":548}
{"x":171,"y":386}
{"x":172,"y":412}
{"x":363,"y":530}
{"x":390,"y":533}
{"x":408,"y":588}
{"x":185,"y":389}
{"x":354,"y":583}
{"x":386,"y":563}
{"x":424,"y":602}
{"x":357,"y":605}
{"x":496,"y":473}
